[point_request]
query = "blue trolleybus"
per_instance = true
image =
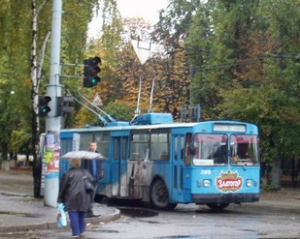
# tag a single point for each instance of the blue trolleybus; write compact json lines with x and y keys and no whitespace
{"x":165,"y":163}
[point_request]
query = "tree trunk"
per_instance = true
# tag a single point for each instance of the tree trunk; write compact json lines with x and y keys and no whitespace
{"x":276,"y":171}
{"x":35,"y":76}
{"x":4,"y":156}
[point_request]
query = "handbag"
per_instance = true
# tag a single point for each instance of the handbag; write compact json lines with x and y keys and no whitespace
{"x":88,"y":185}
{"x":61,"y":216}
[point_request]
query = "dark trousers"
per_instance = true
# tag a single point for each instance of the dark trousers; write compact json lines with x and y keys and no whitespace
{"x":92,"y":197}
{"x":77,"y":222}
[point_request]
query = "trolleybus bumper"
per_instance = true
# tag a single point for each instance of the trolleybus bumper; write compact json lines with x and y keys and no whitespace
{"x":225,"y":198}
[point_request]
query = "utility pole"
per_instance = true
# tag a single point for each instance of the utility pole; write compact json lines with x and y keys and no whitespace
{"x":53,"y":122}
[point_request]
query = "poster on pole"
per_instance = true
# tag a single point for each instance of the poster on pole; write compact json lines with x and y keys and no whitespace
{"x":52,"y":154}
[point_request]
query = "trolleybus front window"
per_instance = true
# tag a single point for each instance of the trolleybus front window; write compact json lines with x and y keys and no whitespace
{"x":244,"y":150}
{"x":210,"y":149}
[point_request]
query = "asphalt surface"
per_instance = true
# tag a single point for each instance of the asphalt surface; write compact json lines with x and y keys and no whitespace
{"x":19,"y":211}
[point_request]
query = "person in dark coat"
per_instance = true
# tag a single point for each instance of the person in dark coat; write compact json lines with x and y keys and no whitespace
{"x":95,"y":169}
{"x":73,"y":195}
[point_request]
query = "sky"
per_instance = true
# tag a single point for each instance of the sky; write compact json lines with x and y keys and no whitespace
{"x":147,"y":9}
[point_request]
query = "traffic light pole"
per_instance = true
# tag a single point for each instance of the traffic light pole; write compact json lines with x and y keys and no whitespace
{"x":53,"y":122}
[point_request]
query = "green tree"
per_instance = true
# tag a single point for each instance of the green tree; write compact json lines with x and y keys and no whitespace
{"x":24,"y":49}
{"x":248,"y":69}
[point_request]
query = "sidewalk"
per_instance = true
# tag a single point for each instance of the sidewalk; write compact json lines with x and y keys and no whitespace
{"x":21,"y":212}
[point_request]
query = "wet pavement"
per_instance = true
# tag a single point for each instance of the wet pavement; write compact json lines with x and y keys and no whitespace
{"x":19,"y":211}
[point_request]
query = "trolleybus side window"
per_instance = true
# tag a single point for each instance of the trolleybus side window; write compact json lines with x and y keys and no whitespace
{"x":178,"y":147}
{"x":116,"y":149}
{"x":159,"y":146}
{"x":66,"y":145}
{"x":189,"y":149}
{"x":102,"y":139}
{"x":124,"y":149}
{"x":149,"y":146}
{"x":85,"y":139}
{"x":139,"y":146}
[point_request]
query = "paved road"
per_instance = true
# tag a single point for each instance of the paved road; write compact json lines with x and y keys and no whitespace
{"x":16,"y":190}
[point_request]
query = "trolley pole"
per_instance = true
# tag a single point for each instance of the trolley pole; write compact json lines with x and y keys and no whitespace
{"x":53,"y":122}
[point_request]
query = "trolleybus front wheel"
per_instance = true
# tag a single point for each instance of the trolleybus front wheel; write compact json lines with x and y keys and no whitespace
{"x":159,"y":197}
{"x":217,"y":206}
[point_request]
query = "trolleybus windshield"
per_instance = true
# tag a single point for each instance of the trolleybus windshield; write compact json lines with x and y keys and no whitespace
{"x":244,"y":150}
{"x":211,"y":149}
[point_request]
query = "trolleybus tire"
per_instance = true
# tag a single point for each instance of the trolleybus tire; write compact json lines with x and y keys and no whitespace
{"x":217,"y":206}
{"x":159,"y":197}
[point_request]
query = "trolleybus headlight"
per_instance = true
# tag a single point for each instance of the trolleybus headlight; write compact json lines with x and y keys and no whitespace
{"x":206,"y":183}
{"x":249,"y":183}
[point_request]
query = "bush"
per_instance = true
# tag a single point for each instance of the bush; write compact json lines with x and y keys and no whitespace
{"x":270,"y":187}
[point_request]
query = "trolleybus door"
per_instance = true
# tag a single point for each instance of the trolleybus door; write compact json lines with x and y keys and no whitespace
{"x":119,"y":166}
{"x":178,"y":164}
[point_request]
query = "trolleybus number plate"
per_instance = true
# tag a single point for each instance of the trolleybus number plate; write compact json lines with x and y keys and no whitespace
{"x":206,"y":171}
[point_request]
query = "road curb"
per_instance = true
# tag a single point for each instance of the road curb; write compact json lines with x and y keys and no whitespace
{"x":53,"y":225}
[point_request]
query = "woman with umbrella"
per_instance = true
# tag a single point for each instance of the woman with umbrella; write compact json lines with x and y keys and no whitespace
{"x":72,"y":193}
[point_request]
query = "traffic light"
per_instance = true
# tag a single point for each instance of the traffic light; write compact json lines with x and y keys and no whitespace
{"x":91,"y":70}
{"x":43,"y":105}
{"x":63,"y":105}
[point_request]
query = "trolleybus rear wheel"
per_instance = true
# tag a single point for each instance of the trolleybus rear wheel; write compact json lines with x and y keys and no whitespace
{"x":217,"y":206}
{"x":159,"y":197}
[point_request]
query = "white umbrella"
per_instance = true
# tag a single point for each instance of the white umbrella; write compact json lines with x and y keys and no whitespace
{"x":83,"y":155}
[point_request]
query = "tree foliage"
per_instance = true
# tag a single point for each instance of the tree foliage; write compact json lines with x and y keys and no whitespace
{"x":16,"y":54}
{"x":247,"y":68}
{"x":239,"y":59}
